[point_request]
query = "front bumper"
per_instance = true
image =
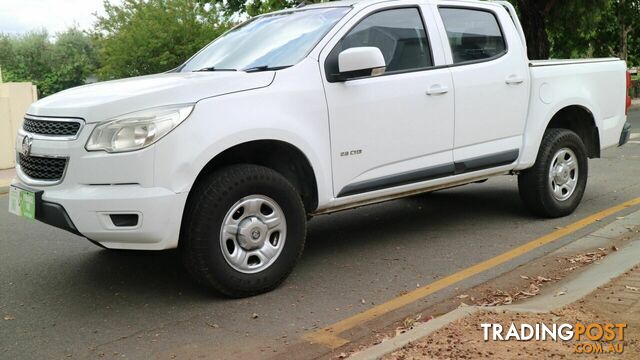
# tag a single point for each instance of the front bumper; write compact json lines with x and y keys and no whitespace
{"x":626,"y":133}
{"x":54,"y":214}
{"x":97,"y":185}
{"x":88,"y":210}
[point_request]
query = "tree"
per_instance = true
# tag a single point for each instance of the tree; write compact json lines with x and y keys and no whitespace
{"x":628,"y":16}
{"x":573,"y":29}
{"x":74,"y":61}
{"x":610,"y":29}
{"x":539,"y":18}
{"x":255,"y":7}
{"x":533,"y":16}
{"x":142,"y":37}
{"x":52,"y":65}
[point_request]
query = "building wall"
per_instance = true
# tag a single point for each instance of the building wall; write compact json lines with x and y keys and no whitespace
{"x":15,"y":98}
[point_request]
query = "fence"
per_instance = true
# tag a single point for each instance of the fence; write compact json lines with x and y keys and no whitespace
{"x":15,"y":98}
{"x":635,"y":89}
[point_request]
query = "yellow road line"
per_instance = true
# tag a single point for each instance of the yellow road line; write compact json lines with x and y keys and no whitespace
{"x":329,"y":336}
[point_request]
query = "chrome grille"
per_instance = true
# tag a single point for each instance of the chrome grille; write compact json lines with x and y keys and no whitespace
{"x":52,"y":127}
{"x":42,"y":168}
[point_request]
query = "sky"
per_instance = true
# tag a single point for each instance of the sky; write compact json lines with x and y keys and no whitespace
{"x":20,"y":16}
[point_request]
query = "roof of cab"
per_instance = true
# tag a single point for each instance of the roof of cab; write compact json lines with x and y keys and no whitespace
{"x":365,"y":3}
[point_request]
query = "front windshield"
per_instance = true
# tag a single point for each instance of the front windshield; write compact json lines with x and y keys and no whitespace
{"x":268,"y":41}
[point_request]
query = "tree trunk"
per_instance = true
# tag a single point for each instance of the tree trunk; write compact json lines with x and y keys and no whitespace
{"x":532,"y":17}
{"x":624,"y":31}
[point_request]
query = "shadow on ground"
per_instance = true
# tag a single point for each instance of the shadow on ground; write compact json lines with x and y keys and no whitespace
{"x":158,"y":277}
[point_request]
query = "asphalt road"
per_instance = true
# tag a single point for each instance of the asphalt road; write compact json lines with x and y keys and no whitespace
{"x":62,"y":297}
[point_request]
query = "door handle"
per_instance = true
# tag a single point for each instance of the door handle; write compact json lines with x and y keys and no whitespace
{"x":437,"y":90}
{"x":514,"y":80}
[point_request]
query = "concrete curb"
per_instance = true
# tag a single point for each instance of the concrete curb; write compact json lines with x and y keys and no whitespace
{"x":595,"y":275}
{"x":417,"y":333}
{"x":4,"y":186}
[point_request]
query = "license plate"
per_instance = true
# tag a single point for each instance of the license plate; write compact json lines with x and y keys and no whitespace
{"x":22,"y":202}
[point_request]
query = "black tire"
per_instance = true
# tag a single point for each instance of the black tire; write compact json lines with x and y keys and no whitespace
{"x":533,"y":184}
{"x":210,"y":200}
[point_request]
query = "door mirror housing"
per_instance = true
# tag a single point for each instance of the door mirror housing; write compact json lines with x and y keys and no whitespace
{"x":361,"y":61}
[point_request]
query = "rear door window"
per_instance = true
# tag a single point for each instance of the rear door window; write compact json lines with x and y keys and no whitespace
{"x":474,"y":34}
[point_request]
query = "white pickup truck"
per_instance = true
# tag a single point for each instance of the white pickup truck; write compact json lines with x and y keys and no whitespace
{"x":310,"y":111}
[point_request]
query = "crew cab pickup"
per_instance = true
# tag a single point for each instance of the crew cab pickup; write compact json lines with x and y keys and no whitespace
{"x":309,"y":111}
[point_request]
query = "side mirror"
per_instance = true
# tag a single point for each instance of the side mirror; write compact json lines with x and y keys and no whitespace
{"x":361,"y":61}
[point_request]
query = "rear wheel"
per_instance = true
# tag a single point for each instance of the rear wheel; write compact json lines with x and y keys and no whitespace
{"x":244,"y":230}
{"x":554,"y":186}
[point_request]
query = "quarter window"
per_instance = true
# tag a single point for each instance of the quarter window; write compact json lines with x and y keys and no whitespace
{"x":398,"y":33}
{"x":473,"y":34}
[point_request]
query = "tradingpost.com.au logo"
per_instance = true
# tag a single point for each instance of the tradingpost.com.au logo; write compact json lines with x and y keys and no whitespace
{"x":591,"y":338}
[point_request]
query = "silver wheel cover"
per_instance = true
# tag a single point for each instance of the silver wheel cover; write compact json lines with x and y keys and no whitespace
{"x":563,"y":174}
{"x":253,"y":234}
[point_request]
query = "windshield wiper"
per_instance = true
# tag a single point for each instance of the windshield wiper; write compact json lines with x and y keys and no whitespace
{"x":265,"y":68}
{"x":213,"y":68}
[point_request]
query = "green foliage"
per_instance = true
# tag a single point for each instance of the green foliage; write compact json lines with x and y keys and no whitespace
{"x":610,"y":29}
{"x":573,"y":28}
{"x":591,"y":28}
{"x":51,"y":65}
{"x":142,"y":37}
{"x":253,"y":8}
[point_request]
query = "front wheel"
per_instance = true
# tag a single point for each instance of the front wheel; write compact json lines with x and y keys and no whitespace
{"x":244,"y":230}
{"x":554,"y":186}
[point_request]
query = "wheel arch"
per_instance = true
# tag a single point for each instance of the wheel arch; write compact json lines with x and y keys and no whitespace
{"x":281,"y":156}
{"x":580,"y":120}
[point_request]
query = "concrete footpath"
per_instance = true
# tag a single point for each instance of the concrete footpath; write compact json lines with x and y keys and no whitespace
{"x":607,"y":290}
{"x":5,"y":179}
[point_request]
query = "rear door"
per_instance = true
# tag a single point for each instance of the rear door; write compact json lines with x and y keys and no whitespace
{"x":491,"y":79}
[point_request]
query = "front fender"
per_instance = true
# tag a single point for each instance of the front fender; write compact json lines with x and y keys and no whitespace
{"x":218,"y":124}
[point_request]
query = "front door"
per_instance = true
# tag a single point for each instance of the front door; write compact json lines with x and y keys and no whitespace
{"x":397,"y":128}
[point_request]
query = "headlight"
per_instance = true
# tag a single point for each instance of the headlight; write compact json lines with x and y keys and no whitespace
{"x":137,"y":130}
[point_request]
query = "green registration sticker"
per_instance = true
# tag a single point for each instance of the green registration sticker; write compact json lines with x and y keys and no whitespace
{"x":22,"y":202}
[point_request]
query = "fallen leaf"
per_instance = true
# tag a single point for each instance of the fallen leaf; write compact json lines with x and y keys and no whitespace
{"x":587,"y":258}
{"x":9,"y":317}
{"x":254,"y":316}
{"x":362,"y":301}
{"x":534,"y":289}
{"x":524,"y":277}
{"x":463,"y":296}
{"x":408,"y":323}
{"x":632,"y":288}
{"x":542,"y":279}
{"x":614,"y":248}
{"x":560,"y":293}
